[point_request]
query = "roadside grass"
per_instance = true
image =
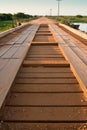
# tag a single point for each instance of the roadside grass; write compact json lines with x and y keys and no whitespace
{"x":5,"y":25}
{"x":70,"y":19}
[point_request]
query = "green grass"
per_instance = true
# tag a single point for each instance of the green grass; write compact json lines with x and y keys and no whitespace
{"x":70,"y":19}
{"x":5,"y":25}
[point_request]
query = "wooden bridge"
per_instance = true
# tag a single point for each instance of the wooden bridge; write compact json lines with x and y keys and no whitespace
{"x":43,"y":77}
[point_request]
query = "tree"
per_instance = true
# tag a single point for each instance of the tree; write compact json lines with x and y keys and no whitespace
{"x":19,"y":15}
{"x":4,"y":17}
{"x":79,"y":16}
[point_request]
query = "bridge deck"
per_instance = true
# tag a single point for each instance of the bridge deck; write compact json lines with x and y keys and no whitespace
{"x":74,"y":52}
{"x":47,"y":92}
{"x":12,"y":54}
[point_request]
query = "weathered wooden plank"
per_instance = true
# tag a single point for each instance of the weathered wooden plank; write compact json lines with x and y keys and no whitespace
{"x":21,"y":53}
{"x":3,"y":63}
{"x":44,"y":39}
{"x":45,"y":69}
{"x":47,"y":81}
{"x":43,"y":31}
{"x":44,"y":53}
{"x":44,"y":56}
{"x":44,"y":43}
{"x":4,"y":49}
{"x":43,"y":34}
{"x":35,"y":48}
{"x":7,"y":75}
{"x":47,"y":99}
{"x":44,"y":59}
{"x":46,"y":75}
{"x":44,"y":126}
{"x":74,"y":55}
{"x":9,"y":54}
{"x":79,"y":68}
{"x":80,"y":54}
{"x":10,"y":68}
{"x":50,"y":63}
{"x":47,"y":88}
{"x":58,"y":114}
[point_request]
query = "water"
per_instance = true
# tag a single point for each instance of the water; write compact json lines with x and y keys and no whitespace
{"x":82,"y":27}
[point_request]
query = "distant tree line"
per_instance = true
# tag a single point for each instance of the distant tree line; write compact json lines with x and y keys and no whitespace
{"x":9,"y":16}
{"x":4,"y":17}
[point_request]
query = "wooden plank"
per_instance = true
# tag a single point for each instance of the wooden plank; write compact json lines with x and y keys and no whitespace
{"x":47,"y":99}
{"x":39,"y":40}
{"x":78,"y":66}
{"x":61,"y":63}
{"x":4,"y":49}
{"x":62,"y":88}
{"x":45,"y":69}
{"x":59,"y":39}
{"x":45,"y":126}
{"x":47,"y":45}
{"x":7,"y":75}
{"x":44,"y":38}
{"x":44,"y":56}
{"x":44,"y":52}
{"x":10,"y":52}
{"x":47,"y":80}
{"x":40,"y":59}
{"x":46,"y":75}
{"x":80,"y":54}
{"x":54,"y":114}
{"x":16,"y":52}
{"x":21,"y":53}
{"x":44,"y":47}
{"x":25,"y":34}
{"x":43,"y":31}
{"x":28,"y":39}
{"x":43,"y":34}
{"x":3,"y":63}
{"x":12,"y":66}
{"x":22,"y":38}
{"x":44,"y":43}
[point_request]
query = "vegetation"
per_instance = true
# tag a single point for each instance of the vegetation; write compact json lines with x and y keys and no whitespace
{"x":8,"y":21}
{"x":4,"y":17}
{"x":5,"y":25}
{"x":71,"y":19}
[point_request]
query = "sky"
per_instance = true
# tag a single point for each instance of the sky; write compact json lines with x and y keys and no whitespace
{"x":44,"y":7}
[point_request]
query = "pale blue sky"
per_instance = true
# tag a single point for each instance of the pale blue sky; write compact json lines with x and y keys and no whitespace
{"x":42,"y":7}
